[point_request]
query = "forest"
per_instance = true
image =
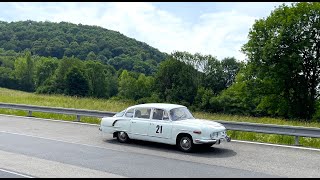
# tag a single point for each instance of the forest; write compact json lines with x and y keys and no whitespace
{"x":280,"y":77}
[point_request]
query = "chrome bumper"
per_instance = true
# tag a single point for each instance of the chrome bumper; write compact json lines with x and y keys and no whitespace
{"x":205,"y":141}
{"x":208,"y":141}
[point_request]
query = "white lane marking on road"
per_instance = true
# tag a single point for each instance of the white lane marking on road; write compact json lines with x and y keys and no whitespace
{"x":249,"y":142}
{"x":11,"y":172}
{"x":278,"y":145}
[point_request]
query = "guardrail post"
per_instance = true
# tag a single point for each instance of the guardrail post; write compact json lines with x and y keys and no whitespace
{"x":30,"y":114}
{"x":296,"y":141}
{"x":78,"y":118}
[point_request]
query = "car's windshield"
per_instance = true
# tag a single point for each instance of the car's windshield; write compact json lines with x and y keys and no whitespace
{"x":180,"y":114}
{"x":120,"y":114}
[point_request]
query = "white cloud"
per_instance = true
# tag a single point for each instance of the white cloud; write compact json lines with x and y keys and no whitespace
{"x":220,"y":33}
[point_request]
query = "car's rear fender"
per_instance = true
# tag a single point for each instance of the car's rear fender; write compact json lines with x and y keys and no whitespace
{"x":115,"y":124}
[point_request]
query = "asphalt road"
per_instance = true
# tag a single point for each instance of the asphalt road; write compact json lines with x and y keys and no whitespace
{"x":44,"y":148}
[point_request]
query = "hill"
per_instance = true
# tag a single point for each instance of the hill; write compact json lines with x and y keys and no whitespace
{"x":81,"y":41}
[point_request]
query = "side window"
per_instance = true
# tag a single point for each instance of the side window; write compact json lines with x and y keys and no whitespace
{"x":159,"y":114}
{"x":129,"y":113}
{"x":143,"y":113}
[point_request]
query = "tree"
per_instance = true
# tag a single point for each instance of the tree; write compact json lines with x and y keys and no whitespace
{"x":127,"y":85}
{"x":202,"y":99}
{"x":111,"y":84}
{"x":100,"y":78}
{"x":175,"y":82}
{"x":77,"y":84}
{"x":144,"y":86}
{"x":197,"y":61}
{"x":122,"y":61}
{"x":213,"y":74}
{"x":283,"y":51}
{"x":24,"y":71}
{"x":214,"y":77}
{"x":6,"y":79}
{"x":65,"y":64}
{"x":45,"y":69}
{"x":242,"y":97}
{"x":230,"y":68}
{"x":91,"y":56}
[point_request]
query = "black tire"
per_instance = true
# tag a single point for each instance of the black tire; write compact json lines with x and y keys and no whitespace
{"x":185,"y":143}
{"x":122,"y":137}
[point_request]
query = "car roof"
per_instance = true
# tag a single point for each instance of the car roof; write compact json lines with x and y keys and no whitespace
{"x":165,"y":106}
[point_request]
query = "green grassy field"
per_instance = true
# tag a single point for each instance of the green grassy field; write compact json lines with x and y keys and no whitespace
{"x":19,"y":97}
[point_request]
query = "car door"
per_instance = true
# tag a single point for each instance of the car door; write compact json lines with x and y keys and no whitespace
{"x":140,"y":122}
{"x":160,"y":126}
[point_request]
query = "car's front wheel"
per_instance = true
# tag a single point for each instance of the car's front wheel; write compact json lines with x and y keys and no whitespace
{"x":122,"y":137}
{"x":185,"y":143}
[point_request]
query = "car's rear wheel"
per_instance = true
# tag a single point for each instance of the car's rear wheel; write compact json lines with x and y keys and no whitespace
{"x":185,"y":143}
{"x":122,"y":137}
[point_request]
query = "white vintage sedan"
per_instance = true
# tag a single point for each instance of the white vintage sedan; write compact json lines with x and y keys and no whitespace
{"x":163,"y":123}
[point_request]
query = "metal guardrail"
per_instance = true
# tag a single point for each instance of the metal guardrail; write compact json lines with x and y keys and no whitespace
{"x":296,"y":131}
{"x":57,"y":110}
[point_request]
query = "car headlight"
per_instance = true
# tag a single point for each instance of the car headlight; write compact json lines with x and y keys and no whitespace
{"x":217,"y":134}
{"x":214,"y":135}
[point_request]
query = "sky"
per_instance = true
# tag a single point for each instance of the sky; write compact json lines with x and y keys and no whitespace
{"x":215,"y":28}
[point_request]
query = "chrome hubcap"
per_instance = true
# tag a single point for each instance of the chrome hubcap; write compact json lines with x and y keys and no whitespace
{"x":122,"y":135}
{"x":185,"y":143}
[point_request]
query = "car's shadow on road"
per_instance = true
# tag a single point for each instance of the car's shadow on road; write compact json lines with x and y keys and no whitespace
{"x":215,"y":151}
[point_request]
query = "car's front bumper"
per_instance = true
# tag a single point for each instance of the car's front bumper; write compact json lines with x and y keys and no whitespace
{"x":212,"y":141}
